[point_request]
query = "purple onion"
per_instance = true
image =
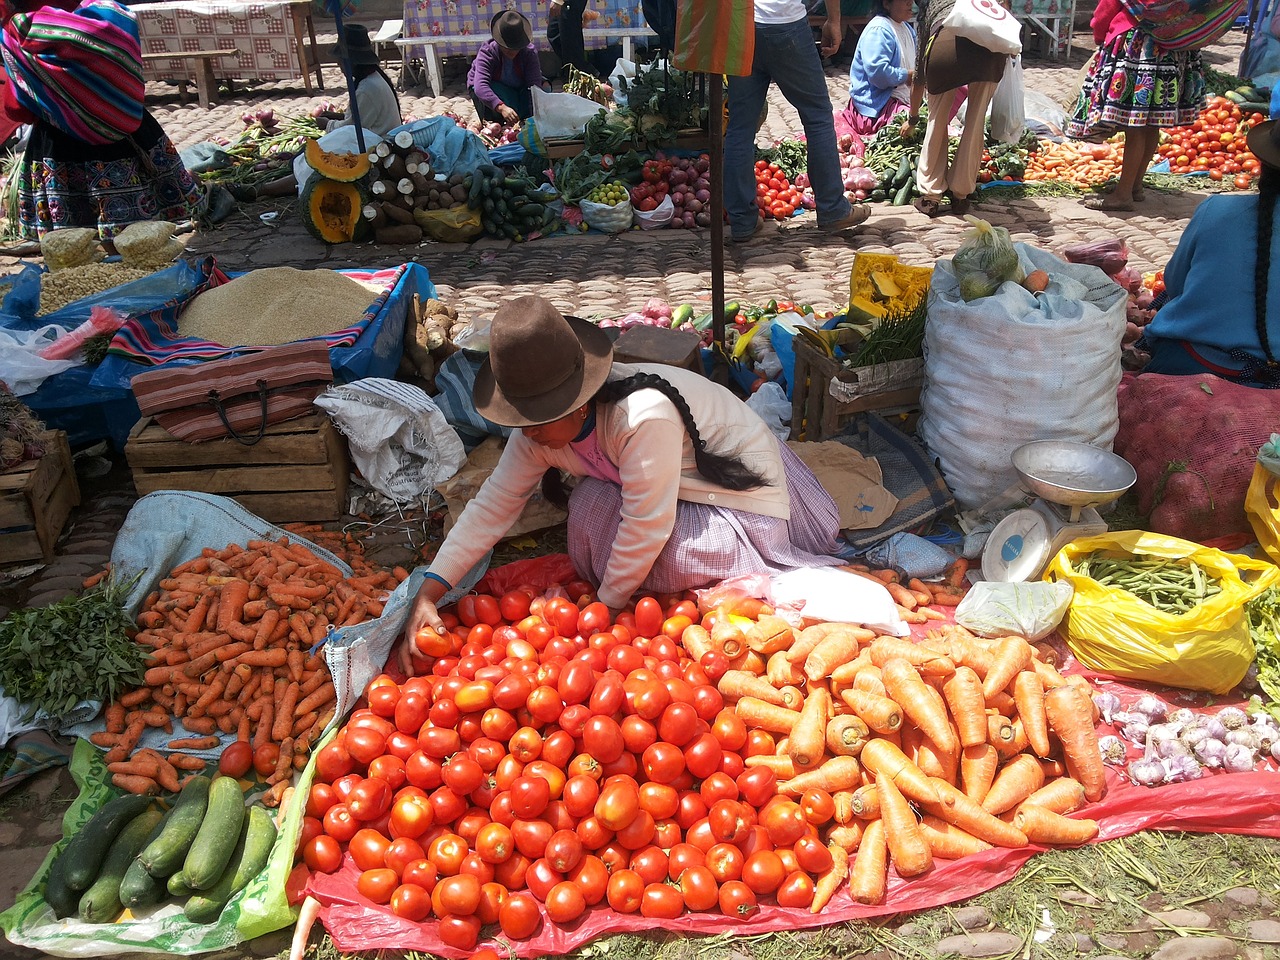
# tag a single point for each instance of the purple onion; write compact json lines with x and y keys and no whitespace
{"x":1237,"y":759}
{"x":1211,"y":752}
{"x":1108,"y":705}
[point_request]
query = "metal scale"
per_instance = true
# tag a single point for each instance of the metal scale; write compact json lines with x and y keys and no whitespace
{"x":1070,"y":481}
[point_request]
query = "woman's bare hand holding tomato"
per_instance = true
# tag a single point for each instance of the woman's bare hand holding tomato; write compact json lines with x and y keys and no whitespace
{"x":422,"y":615}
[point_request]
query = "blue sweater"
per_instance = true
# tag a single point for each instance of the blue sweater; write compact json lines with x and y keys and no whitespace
{"x":1209,"y":282}
{"x":877,"y":67}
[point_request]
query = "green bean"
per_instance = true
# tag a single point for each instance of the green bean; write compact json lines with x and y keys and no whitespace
{"x":1168,"y":585}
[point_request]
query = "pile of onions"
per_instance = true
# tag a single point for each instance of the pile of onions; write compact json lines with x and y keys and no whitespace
{"x":1180,"y":744}
{"x":655,"y":313}
{"x":859,"y":181}
{"x":690,"y":184}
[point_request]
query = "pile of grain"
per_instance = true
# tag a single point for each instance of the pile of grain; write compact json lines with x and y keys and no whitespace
{"x":276,"y":305}
{"x":58,"y":288}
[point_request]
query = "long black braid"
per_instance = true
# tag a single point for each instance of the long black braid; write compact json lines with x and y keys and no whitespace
{"x":363,"y":70}
{"x":727,"y":471}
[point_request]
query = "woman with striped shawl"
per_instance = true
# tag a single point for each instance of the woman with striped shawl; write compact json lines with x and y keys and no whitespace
{"x":95,"y":157}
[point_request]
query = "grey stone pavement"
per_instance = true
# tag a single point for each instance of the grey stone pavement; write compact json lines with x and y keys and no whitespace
{"x":604,"y":276}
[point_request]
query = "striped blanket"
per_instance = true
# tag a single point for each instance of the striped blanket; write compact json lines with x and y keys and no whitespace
{"x":152,"y":338}
{"x":1185,"y":24}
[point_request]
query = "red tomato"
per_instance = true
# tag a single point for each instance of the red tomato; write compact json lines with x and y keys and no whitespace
{"x":438,"y":742}
{"x":682,"y":857}
{"x":580,"y":795}
{"x":457,"y":896}
{"x":369,"y":799}
{"x":662,"y":762}
{"x":661,"y":901}
{"x":757,"y":785}
{"x":618,"y":805}
{"x":728,"y":821}
{"x":592,"y":878}
{"x":812,"y":855}
{"x":447,"y":852}
{"x":737,"y":900}
{"x":322,"y":854}
{"x":421,"y":873}
{"x":531,"y":837}
{"x":460,"y":932}
{"x":725,"y":862}
{"x":514,"y":605}
{"x":401,"y":852}
{"x":266,"y":757}
{"x":593,"y":618}
{"x":638,"y":734}
{"x":698,"y":888}
{"x":411,"y":902}
{"x":389,"y":768}
{"x":339,"y":824}
{"x":717,"y":786}
{"x":576,"y":682}
{"x":368,"y":848}
{"x":332,"y":762}
{"x":541,"y":878}
{"x":660,"y":800}
{"x":462,"y":774}
{"x":236,"y":759}
{"x":563,"y":615}
{"x":378,"y":884}
{"x":411,"y":816}
{"x":383,"y":699}
{"x":603,"y":739}
{"x":796,"y":890}
{"x":319,"y":799}
{"x":818,"y":806}
{"x":494,"y":843}
{"x":649,"y":616}
{"x":652,"y":864}
{"x":784,"y":820}
{"x":564,"y":850}
{"x":625,"y":891}
{"x":492,"y":896}
{"x":703,"y":755}
{"x":519,"y":916}
{"x":763,"y":872}
{"x":565,"y":902}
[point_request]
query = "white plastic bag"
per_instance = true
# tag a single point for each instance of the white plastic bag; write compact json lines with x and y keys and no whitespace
{"x":1031,"y":610}
{"x":658,"y":217}
{"x":608,"y":218}
{"x":1014,"y":367}
{"x":561,"y":114}
{"x":1008,"y":111}
{"x":987,"y":23}
{"x":771,"y":403}
{"x":399,"y":439}
{"x":21,"y":365}
{"x":624,"y":69}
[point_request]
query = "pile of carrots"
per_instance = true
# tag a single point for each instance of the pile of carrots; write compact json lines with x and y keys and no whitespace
{"x":232,"y":635}
{"x":985,"y":738}
{"x":1083,"y":165}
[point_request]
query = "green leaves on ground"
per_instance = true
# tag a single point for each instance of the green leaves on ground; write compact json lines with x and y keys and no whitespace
{"x":1264,"y":627}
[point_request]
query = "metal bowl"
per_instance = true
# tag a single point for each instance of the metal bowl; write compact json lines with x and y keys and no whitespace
{"x":1072,"y":474}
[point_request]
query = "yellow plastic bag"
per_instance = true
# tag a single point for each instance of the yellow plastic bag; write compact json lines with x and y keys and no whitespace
{"x":1111,"y":630}
{"x":454,"y":225}
{"x":1262,"y":507}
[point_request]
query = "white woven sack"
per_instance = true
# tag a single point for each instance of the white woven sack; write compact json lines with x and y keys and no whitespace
{"x":606,"y":218}
{"x":1014,"y":367}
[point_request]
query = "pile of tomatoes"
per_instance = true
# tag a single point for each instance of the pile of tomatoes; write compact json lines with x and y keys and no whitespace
{"x":1214,"y":143}
{"x":549,"y":761}
{"x":775,"y":194}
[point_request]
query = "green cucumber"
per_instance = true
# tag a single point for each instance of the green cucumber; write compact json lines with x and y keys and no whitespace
{"x":254,"y":847}
{"x":101,"y":902}
{"x":166,"y":853}
{"x":904,"y":193}
{"x":681,"y":315}
{"x":216,"y":838}
{"x":57,"y":894}
{"x":88,"y":848}
{"x":176,"y":885}
{"x":137,"y":887}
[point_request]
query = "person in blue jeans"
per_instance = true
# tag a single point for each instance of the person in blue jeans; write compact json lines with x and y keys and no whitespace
{"x":785,"y":54}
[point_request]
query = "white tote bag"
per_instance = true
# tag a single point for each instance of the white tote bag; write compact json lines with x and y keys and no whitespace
{"x":988,"y":24}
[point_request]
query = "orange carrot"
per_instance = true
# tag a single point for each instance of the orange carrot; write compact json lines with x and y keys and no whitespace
{"x":755,"y":712}
{"x":185,"y":761}
{"x":808,"y":740}
{"x":200,"y":725}
{"x":978,"y":765}
{"x":317,"y":698}
{"x":1015,"y":781}
{"x":1070,"y":715}
{"x":928,"y":756}
{"x":231,"y":603}
{"x":923,"y":593}
{"x":865,"y":802}
{"x":963,"y":693}
{"x":811,"y":636}
{"x":954,"y":807}
{"x":917,"y":699}
{"x":737,"y":684}
{"x":847,"y":836}
{"x":1028,"y":694}
{"x":836,"y":648}
{"x":782,"y":767}
{"x":928,"y":661}
{"x":879,"y":713}
{"x":781,"y":672}
{"x":886,"y":760}
{"x":1061,"y":795}
{"x":868,"y":679}
{"x":831,"y":878}
{"x":948,"y":841}
{"x":842,"y":800}
{"x":1045,"y":826}
{"x":869,"y":874}
{"x":956,"y":573}
{"x":999,"y":729}
{"x":769,"y":634}
{"x":194,"y":743}
{"x":907,"y":846}
{"x":1017,"y":742}
{"x":941,"y":599}
{"x":846,"y":735}
{"x":135,"y":784}
{"x":264,"y":658}
{"x":838,"y":773}
{"x":283,"y":724}
{"x":1009,"y":656}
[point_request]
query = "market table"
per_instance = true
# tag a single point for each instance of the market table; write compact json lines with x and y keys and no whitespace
{"x":443,"y":28}
{"x":269,"y":36}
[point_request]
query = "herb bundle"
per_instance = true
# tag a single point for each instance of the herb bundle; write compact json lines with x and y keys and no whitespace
{"x":79,"y":648}
{"x":899,"y":336}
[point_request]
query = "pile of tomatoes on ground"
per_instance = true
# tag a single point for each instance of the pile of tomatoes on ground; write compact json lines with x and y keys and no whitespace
{"x":548,"y":760}
{"x":776,"y":196}
{"x":1214,"y":143}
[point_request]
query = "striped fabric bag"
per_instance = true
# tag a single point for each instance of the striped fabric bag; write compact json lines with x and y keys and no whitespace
{"x":78,"y":70}
{"x":1185,"y":24}
{"x":715,"y":37}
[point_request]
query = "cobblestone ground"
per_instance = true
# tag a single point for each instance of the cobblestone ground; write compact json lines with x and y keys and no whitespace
{"x":598,"y":276}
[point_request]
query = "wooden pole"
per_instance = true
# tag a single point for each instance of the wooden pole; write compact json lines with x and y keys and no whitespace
{"x":715,"y":125}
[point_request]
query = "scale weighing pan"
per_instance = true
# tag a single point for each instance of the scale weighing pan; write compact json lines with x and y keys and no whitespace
{"x":1075,"y":475}
{"x":1062,"y":474}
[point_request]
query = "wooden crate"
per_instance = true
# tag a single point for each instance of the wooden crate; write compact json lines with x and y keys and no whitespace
{"x":817,"y":415}
{"x":297,"y":471}
{"x":35,"y":499}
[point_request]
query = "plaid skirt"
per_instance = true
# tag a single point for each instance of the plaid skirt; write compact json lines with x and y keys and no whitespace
{"x":64,"y":182}
{"x":709,"y":543}
{"x":1134,"y":82}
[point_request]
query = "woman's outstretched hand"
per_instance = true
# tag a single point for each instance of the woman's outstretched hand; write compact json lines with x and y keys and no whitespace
{"x":422,"y":615}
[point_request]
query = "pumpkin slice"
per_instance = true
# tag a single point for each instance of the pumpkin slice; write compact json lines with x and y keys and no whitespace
{"x":342,"y":167}
{"x":331,"y":210}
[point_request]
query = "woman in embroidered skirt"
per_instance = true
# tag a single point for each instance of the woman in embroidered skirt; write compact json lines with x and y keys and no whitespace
{"x":1136,"y":85}
{"x":680,"y":482}
{"x":95,"y":157}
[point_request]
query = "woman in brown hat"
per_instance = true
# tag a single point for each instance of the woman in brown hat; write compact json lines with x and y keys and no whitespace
{"x":680,"y":483}
{"x":1222,"y":284}
{"x":505,"y":69}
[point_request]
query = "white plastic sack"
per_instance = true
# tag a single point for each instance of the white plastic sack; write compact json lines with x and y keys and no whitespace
{"x":342,"y":140}
{"x":21,"y":366}
{"x":624,"y":69}
{"x":658,"y":217}
{"x":1031,"y":610}
{"x":1008,"y":112}
{"x":561,"y":114}
{"x":824,"y":593}
{"x":771,"y":403}
{"x":1014,"y":367}
{"x":398,"y":437}
{"x":608,"y":218}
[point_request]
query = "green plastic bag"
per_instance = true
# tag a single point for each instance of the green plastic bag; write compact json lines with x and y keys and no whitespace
{"x":1112,"y":631}
{"x":258,"y":909}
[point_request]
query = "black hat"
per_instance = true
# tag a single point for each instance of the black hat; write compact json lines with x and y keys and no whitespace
{"x":1264,"y":142}
{"x":359,"y":50}
{"x":511,"y":29}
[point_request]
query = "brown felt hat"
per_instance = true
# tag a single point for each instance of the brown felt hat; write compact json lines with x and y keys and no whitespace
{"x":1264,"y":143}
{"x":511,"y":29}
{"x":541,"y":366}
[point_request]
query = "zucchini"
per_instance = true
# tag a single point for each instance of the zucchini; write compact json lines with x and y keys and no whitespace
{"x":57,"y":894}
{"x":166,"y":853}
{"x":216,"y":838}
{"x":137,"y":887}
{"x":904,"y":193}
{"x":88,"y":848}
{"x":905,"y":169}
{"x":101,"y":902}
{"x":254,"y":847}
{"x":876,"y":196}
